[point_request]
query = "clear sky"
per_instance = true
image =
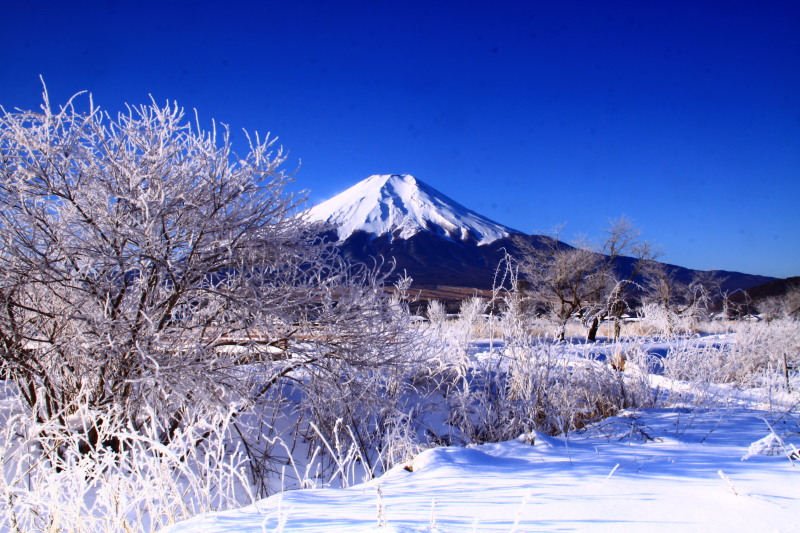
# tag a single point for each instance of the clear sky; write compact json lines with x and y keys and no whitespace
{"x":682,"y":115}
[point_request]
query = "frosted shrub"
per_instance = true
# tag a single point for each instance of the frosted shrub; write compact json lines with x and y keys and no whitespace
{"x":716,"y":327}
{"x":536,"y":385}
{"x":664,"y":321}
{"x":437,"y":314}
{"x":762,"y":356}
{"x":348,"y":411}
{"x":400,"y":441}
{"x":700,"y":366}
{"x":448,"y":342}
{"x":472,"y":319}
{"x":772,"y":347}
{"x":55,"y":481}
{"x":526,"y":382}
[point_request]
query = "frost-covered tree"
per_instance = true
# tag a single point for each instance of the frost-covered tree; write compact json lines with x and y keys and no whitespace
{"x":670,"y":305}
{"x":559,"y":279}
{"x":582,"y":280}
{"x":785,"y":305}
{"x":622,"y":240}
{"x":146,"y":268}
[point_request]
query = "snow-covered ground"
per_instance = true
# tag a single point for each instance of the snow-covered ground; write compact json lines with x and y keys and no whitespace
{"x":712,"y":447}
{"x":649,"y":470}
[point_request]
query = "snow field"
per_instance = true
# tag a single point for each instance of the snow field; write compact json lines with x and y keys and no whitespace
{"x":671,"y":458}
{"x":708,"y":462}
{"x":686,"y":474}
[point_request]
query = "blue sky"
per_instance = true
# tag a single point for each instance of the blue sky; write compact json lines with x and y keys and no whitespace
{"x":684,"y":116}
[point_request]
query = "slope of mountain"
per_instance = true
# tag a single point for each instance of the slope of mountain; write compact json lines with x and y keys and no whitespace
{"x":401,"y":206}
{"x":776,"y":287}
{"x":436,"y":240}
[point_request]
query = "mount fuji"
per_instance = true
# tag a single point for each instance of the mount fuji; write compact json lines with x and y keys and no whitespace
{"x":429,"y":236}
{"x":433,"y":238}
{"x":401,"y":206}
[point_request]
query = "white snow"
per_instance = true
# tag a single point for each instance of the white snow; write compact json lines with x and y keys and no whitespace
{"x":400,"y":205}
{"x":651,"y":470}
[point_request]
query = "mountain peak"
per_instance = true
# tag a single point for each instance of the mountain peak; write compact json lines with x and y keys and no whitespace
{"x":401,"y":206}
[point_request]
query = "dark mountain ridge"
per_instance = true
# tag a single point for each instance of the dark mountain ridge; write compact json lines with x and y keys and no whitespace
{"x":432,"y":261}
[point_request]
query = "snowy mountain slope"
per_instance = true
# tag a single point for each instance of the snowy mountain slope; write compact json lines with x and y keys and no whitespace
{"x":400,"y":206}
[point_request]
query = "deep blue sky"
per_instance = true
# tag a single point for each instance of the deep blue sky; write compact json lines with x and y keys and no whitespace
{"x":684,"y":116}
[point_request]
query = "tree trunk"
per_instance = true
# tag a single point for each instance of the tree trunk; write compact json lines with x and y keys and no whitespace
{"x":786,"y":371}
{"x":595,"y":325}
{"x":561,"y":333}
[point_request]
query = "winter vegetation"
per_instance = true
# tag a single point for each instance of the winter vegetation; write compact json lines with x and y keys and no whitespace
{"x":176,"y":340}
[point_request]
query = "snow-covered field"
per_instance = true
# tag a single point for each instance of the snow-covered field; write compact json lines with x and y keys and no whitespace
{"x":650,"y":470}
{"x":708,"y":442}
{"x":721,"y":458}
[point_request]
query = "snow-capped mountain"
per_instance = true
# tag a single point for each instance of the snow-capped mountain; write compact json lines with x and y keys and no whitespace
{"x":400,"y":206}
{"x":434,"y":239}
